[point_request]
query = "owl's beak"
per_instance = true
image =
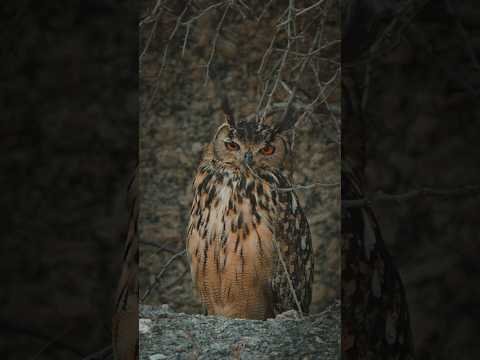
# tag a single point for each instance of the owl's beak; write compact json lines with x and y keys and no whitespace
{"x":248,"y":158}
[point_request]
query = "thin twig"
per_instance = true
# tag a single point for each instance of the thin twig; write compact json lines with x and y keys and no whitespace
{"x":176,"y":280}
{"x":303,"y":11}
{"x":185,"y":39}
{"x":160,"y":274}
{"x":159,"y":247}
{"x":260,"y":102}
{"x":275,"y":83}
{"x":381,"y":196}
{"x":215,"y":39}
{"x":314,"y":52}
{"x":165,"y":52}
{"x":322,"y":88}
{"x":265,"y":8}
{"x":149,"y":39}
{"x":290,"y":14}
{"x":309,"y":186}
{"x":300,"y":74}
{"x":267,"y":53}
{"x":203,"y":12}
{"x":289,"y":280}
{"x":157,"y":6}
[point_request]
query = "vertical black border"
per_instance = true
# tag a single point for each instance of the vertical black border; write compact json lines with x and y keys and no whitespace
{"x":69,"y":147}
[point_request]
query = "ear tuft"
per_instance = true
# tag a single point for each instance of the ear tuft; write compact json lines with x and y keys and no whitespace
{"x":228,"y":111}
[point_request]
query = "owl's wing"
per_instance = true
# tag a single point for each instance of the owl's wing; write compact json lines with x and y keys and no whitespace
{"x":292,"y":236}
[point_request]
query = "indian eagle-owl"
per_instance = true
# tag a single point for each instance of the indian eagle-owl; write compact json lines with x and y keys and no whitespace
{"x":244,"y":214}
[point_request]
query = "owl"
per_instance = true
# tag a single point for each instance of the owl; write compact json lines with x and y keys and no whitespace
{"x":248,"y":240}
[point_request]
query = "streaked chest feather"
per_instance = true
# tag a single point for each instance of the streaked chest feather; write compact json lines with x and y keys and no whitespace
{"x":230,"y":237}
{"x":237,"y":219}
{"x":231,"y":203}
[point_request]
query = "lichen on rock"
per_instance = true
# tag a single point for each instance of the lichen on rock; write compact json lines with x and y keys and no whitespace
{"x":168,"y":335}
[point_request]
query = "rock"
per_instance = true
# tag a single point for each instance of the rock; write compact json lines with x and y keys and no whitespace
{"x":168,"y":335}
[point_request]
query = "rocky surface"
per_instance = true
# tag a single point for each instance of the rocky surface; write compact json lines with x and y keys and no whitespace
{"x":165,"y":334}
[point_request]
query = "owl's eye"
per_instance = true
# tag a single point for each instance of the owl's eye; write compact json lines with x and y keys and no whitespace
{"x":231,"y":145}
{"x":268,"y":150}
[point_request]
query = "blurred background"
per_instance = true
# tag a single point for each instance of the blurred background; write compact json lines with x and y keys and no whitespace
{"x":422,"y":119}
{"x":69,"y":147}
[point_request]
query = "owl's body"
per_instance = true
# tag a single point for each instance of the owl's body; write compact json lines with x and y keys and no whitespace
{"x":242,"y":210}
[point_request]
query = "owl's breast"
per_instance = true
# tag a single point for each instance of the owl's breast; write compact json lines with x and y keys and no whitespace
{"x":231,"y":203}
{"x":230,"y":243}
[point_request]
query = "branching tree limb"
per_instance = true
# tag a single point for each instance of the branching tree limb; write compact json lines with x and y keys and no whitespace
{"x":380,"y":196}
{"x":160,"y":274}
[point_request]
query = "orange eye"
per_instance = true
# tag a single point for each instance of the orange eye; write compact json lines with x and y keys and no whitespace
{"x":268,"y":150}
{"x":230,"y":145}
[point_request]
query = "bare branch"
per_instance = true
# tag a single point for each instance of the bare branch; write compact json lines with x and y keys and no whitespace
{"x":157,"y":6}
{"x":157,"y":246}
{"x":285,"y":123}
{"x":309,"y":186}
{"x":215,"y":39}
{"x":176,"y":279}
{"x":160,"y":274}
{"x":314,"y":52}
{"x":290,"y":20}
{"x":381,"y":196}
{"x":264,"y":10}
{"x":289,"y":280}
{"x":203,"y":12}
{"x":149,"y":40}
{"x":303,"y":11}
{"x":165,"y":52}
{"x":267,"y":53}
{"x":185,"y":39}
{"x":283,"y":61}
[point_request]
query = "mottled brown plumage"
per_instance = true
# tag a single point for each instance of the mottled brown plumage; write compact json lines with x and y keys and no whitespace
{"x":242,"y":209}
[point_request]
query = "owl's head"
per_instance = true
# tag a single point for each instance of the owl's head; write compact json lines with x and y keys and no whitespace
{"x":251,"y":142}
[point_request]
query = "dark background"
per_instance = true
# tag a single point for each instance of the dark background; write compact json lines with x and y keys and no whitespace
{"x":69,"y":146}
{"x":421,"y":121}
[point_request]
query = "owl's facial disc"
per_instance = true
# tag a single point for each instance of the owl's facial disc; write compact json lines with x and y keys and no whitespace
{"x":249,"y":145}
